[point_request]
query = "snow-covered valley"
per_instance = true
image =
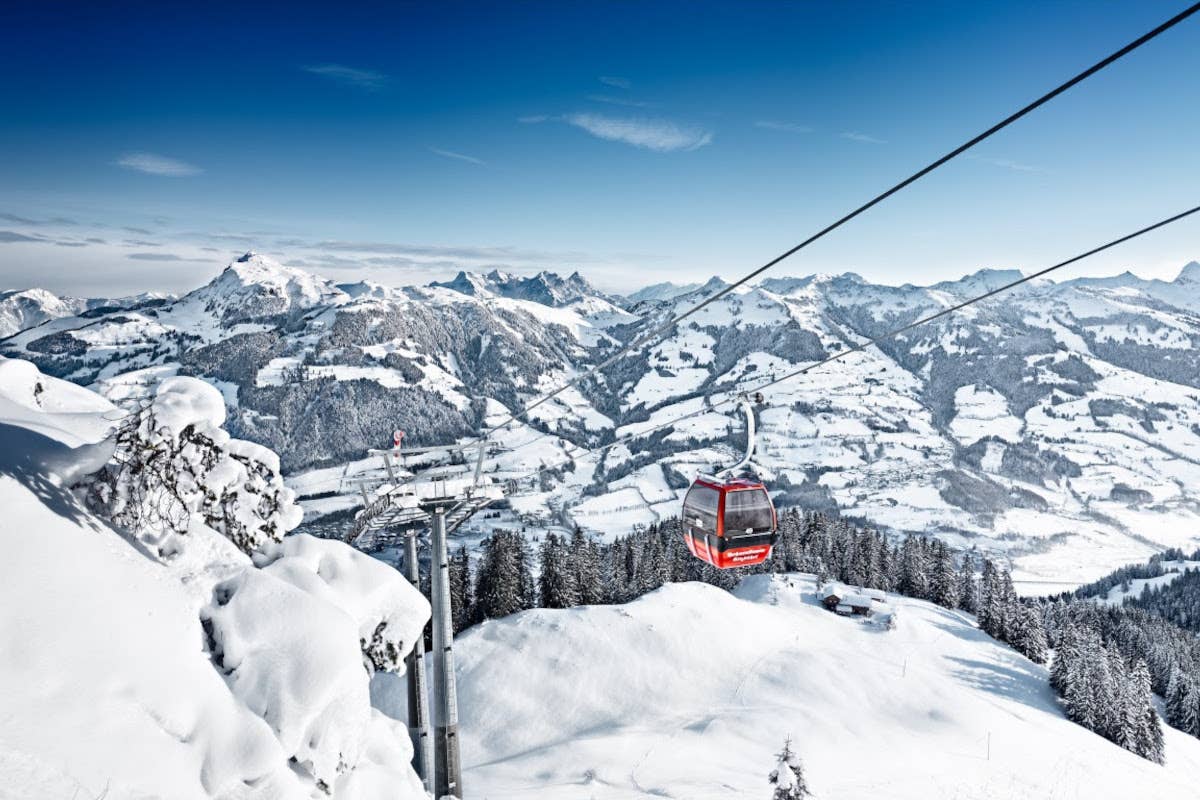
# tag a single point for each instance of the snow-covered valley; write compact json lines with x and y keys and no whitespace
{"x":1058,"y":427}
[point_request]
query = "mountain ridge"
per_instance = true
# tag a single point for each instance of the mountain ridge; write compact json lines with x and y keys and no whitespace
{"x":1062,"y":419}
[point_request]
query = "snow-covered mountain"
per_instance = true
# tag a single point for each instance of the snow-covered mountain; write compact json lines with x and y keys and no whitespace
{"x":690,"y":692}
{"x":26,"y":308}
{"x":546,"y":288}
{"x":658,"y":292}
{"x":1058,"y":424}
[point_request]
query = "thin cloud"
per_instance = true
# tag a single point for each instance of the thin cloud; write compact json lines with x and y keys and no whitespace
{"x":152,"y":164}
{"x":532,"y":119}
{"x":618,"y":83}
{"x":855,"y":136}
{"x":162,"y":257}
{"x":787,"y":127}
{"x":1005,"y":163}
{"x":358,"y":78}
{"x":661,"y":136}
{"x":469,"y":253}
{"x":437,"y":151}
{"x":141,"y":231}
{"x":8,"y":237}
{"x":27,"y":221}
{"x":619,"y":101}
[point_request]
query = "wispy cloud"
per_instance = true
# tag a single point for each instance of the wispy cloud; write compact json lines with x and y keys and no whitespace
{"x":437,"y":151}
{"x":358,"y":78}
{"x":618,"y":83}
{"x":619,"y":101}
{"x":855,"y":136}
{"x":27,"y":221}
{"x":163,"y":257}
{"x":532,"y":119}
{"x":152,"y":164}
{"x":8,"y":237}
{"x":1005,"y":163}
{"x":787,"y":127}
{"x":466,"y":252}
{"x":661,"y":136}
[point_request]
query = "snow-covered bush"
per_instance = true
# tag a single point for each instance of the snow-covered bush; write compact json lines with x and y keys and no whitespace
{"x":316,"y":696}
{"x":388,"y":612}
{"x":173,"y":462}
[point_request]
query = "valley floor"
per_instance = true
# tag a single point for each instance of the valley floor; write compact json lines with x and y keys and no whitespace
{"x":689,"y":692}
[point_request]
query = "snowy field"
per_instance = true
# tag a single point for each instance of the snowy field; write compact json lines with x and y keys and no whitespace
{"x":689,"y":692}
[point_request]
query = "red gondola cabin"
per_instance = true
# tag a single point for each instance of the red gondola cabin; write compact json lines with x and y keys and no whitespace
{"x":729,"y":523}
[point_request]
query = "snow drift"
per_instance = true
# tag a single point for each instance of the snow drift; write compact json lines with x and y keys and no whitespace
{"x":201,"y":674}
{"x":690,"y":692}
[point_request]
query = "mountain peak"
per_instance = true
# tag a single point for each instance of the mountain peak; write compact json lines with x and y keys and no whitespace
{"x":547,"y":288}
{"x":1190,"y":273}
{"x":983,"y":280}
{"x":255,"y":285}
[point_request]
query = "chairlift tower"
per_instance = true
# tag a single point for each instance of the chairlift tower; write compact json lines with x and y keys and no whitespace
{"x":404,"y":506}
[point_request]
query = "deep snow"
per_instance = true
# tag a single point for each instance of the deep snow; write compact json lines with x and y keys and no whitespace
{"x":111,"y":686}
{"x":689,"y":692}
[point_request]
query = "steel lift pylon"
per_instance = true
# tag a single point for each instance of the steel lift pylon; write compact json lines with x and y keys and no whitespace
{"x":401,"y":509}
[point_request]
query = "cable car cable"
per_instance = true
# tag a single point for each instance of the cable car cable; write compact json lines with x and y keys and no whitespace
{"x":641,"y":341}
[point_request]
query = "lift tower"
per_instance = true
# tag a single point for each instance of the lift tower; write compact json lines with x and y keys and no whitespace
{"x":443,"y":502}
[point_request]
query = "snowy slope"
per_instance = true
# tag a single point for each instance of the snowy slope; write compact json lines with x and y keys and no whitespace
{"x":689,"y":692}
{"x":1172,"y":570}
{"x":107,"y":685}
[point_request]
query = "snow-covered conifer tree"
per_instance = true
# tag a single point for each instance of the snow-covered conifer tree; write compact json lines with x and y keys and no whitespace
{"x":556,"y":581}
{"x":945,"y":579}
{"x":787,"y":779}
{"x":460,"y":589}
{"x":585,"y":557}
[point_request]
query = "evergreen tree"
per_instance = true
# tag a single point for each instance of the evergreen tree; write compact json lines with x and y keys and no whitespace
{"x":1153,"y":747}
{"x":945,"y":579}
{"x":1010,"y":617}
{"x":585,"y":561}
{"x":557,"y":582}
{"x":503,"y":581}
{"x":460,"y":589}
{"x":787,"y":779}
{"x":1065,"y":659}
{"x":914,"y":576}
{"x":968,"y":588}
{"x":991,"y":601}
{"x":1029,"y":637}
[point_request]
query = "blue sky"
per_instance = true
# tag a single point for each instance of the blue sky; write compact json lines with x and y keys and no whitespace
{"x":143,"y":146}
